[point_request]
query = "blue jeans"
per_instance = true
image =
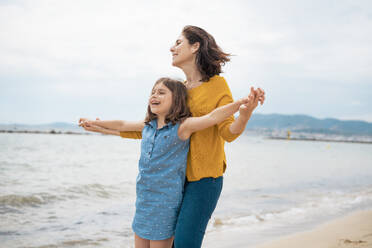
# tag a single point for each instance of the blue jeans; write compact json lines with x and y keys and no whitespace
{"x":199,"y":201}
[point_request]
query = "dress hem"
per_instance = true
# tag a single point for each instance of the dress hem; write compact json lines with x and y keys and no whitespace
{"x":149,"y":237}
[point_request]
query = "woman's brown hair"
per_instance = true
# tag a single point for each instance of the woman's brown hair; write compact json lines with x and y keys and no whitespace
{"x":179,"y":110}
{"x":209,"y":57}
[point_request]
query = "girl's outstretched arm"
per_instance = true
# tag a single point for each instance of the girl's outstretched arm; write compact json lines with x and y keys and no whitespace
{"x":245,"y":113}
{"x":99,"y":129}
{"x":194,"y":124}
{"x":117,"y":125}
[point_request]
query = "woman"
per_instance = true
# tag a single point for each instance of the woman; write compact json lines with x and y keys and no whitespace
{"x":197,"y":54}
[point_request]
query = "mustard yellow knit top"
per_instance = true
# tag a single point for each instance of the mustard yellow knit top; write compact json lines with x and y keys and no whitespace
{"x":206,"y":157}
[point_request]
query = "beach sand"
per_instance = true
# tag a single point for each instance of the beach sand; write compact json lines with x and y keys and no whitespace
{"x":352,"y":231}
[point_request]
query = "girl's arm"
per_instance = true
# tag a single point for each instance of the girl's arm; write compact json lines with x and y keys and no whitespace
{"x":194,"y":124}
{"x":99,"y":129}
{"x":117,"y":125}
{"x":245,"y":112}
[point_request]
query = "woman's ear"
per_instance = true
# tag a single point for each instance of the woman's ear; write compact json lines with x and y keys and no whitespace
{"x":195,"y":47}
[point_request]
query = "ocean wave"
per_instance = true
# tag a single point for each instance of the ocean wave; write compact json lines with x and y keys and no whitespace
{"x":93,"y":190}
{"x":33,"y":200}
{"x":8,"y":233}
{"x":61,"y":194}
{"x":5,"y":164}
{"x":73,"y":243}
{"x":322,"y":207}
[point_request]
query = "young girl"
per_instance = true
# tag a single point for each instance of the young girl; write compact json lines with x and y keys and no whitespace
{"x":165,"y":137}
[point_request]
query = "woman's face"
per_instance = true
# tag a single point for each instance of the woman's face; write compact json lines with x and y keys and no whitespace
{"x":182,"y":52}
{"x":160,"y":101}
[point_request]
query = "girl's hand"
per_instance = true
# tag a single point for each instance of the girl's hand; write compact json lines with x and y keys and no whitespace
{"x":86,"y":122}
{"x":246,"y":110}
{"x":93,"y":128}
{"x":98,"y":129}
{"x":82,"y":121}
{"x":261,"y":95}
{"x":251,"y":103}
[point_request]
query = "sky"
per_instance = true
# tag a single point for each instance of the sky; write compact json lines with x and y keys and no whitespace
{"x":62,"y":60}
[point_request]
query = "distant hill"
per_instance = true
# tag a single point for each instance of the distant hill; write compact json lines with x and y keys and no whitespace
{"x":308,"y":124}
{"x":259,"y":122}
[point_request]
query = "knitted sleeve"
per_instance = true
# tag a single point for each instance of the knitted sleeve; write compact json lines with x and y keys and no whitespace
{"x":131,"y":134}
{"x":224,"y":127}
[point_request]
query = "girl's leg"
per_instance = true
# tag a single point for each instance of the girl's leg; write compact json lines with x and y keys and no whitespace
{"x":199,"y":201}
{"x":167,"y":243}
{"x":140,"y":242}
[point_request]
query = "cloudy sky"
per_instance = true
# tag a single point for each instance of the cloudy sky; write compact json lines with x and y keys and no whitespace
{"x":61,"y":60}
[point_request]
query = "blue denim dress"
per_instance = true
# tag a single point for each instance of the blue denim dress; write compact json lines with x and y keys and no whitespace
{"x":160,"y":181}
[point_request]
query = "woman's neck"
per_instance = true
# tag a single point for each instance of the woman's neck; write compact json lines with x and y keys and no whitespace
{"x":193,"y":75}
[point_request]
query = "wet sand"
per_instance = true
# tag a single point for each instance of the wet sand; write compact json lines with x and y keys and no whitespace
{"x":352,"y":231}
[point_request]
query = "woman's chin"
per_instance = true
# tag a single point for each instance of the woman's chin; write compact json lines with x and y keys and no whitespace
{"x":175,"y":63}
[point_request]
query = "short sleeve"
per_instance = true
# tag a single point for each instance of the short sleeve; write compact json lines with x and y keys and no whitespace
{"x":131,"y":134}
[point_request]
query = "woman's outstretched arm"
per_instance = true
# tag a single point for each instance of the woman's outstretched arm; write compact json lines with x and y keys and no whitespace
{"x":98,"y":129}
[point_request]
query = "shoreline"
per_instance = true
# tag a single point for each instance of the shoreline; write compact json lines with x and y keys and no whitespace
{"x":45,"y":132}
{"x":53,"y":131}
{"x":320,"y":140}
{"x":352,"y":230}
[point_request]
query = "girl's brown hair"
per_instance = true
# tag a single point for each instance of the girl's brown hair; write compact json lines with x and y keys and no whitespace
{"x":179,"y":110}
{"x":209,"y":57}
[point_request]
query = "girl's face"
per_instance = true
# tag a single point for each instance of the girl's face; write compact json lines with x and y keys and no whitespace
{"x":182,"y":52}
{"x":160,"y":100}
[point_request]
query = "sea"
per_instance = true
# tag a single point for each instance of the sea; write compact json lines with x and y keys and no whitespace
{"x":59,"y":190}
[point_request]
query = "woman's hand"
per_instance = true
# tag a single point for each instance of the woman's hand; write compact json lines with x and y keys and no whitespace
{"x":83,"y":122}
{"x":93,"y":128}
{"x":261,"y":95}
{"x":98,"y":129}
{"x":251,"y":103}
{"x":113,"y":125}
{"x":246,"y":110}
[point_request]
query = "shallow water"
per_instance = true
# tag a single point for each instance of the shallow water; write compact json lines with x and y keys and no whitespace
{"x":79,"y":191}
